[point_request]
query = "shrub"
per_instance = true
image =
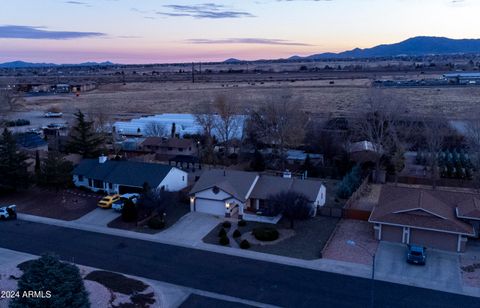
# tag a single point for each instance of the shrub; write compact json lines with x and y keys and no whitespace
{"x":224,"y":241}
{"x":227,"y":224}
{"x":237,"y":233}
{"x":222,"y":232}
{"x":129,"y":211}
{"x":50,"y":274}
{"x":242,"y":223}
{"x":156,"y":223}
{"x":266,"y":234}
{"x":244,"y":244}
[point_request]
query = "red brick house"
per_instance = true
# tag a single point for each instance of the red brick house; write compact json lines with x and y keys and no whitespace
{"x":423,"y":216}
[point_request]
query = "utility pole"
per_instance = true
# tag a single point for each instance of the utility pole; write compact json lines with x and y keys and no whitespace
{"x":193,"y":72}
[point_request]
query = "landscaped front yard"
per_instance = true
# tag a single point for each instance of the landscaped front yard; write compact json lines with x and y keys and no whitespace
{"x":63,"y":204}
{"x":305,"y":241}
{"x":174,"y":211}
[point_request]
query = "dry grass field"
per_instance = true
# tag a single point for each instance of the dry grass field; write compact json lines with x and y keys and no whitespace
{"x":344,"y":96}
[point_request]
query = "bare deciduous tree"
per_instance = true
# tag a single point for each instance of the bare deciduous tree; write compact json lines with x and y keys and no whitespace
{"x":155,"y":129}
{"x":378,"y":125}
{"x":281,"y":123}
{"x":472,"y":134}
{"x":227,"y":122}
{"x":205,"y":117}
{"x":8,"y":99}
{"x":434,"y":132}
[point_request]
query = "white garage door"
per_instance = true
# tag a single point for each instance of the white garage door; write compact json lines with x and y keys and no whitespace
{"x":210,"y":207}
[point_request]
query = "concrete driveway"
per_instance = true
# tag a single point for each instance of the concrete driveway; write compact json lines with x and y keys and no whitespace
{"x":440,"y":272}
{"x":191,"y":228}
{"x":98,"y":217}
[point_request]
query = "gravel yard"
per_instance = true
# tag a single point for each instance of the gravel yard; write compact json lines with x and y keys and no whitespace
{"x":359,"y":231}
{"x":65,"y":204}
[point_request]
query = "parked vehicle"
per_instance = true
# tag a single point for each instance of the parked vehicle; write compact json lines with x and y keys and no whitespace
{"x":8,"y":212}
{"x":118,"y":205}
{"x":416,"y":254}
{"x":53,"y":114}
{"x":107,"y":201}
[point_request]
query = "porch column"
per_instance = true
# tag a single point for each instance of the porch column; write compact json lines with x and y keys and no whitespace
{"x":257,"y":204}
{"x":192,"y":204}
{"x":227,"y":209}
{"x":240,"y":210}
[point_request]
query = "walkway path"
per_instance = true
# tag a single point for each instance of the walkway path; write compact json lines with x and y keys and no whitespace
{"x":233,"y":242}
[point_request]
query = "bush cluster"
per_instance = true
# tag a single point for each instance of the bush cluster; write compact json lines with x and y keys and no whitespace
{"x":242,"y":223}
{"x":227,"y":224}
{"x":244,"y":244}
{"x":222,"y":232}
{"x":156,"y":223}
{"x":237,"y":233}
{"x":224,"y":241}
{"x":265,"y":234}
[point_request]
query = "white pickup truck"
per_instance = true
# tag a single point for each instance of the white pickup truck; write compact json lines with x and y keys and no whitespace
{"x":8,"y":212}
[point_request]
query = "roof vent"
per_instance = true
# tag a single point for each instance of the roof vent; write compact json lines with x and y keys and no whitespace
{"x":102,"y":159}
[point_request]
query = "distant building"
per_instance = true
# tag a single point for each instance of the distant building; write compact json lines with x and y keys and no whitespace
{"x":185,"y":124}
{"x":62,"y":88}
{"x":463,"y":78}
{"x":169,"y":146}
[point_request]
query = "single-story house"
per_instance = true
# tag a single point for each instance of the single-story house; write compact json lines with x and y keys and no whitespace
{"x":122,"y":176}
{"x":229,"y":192}
{"x":422,"y":216}
{"x":169,"y":146}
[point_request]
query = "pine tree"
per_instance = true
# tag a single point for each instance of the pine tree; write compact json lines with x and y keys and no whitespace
{"x":62,"y":279}
{"x":83,"y":138}
{"x":55,"y":172}
{"x":13,"y":165}
{"x":37,"y":165}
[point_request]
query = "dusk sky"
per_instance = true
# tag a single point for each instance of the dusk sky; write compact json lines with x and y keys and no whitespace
{"x":157,"y":31}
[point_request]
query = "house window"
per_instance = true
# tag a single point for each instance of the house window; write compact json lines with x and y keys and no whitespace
{"x":170,"y":149}
{"x":183,"y":178}
{"x":97,"y":184}
{"x":180,"y":149}
{"x":110,"y":185}
{"x":80,"y":178}
{"x":216,"y":190}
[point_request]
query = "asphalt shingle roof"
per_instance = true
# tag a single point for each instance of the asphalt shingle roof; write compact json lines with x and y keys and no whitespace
{"x":128,"y":173}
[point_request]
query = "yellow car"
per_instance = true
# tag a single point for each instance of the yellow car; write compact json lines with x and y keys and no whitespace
{"x":107,"y":201}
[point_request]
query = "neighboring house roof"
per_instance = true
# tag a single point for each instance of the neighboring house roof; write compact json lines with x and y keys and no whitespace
{"x":130,"y":173}
{"x":420,"y":208}
{"x":239,"y":183}
{"x":30,"y":140}
{"x":170,"y":143}
{"x":236,"y":183}
{"x":469,"y":208}
{"x":272,"y":185}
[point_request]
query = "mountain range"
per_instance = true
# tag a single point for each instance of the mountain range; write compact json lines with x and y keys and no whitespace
{"x":416,"y":46}
{"x":23,"y":64}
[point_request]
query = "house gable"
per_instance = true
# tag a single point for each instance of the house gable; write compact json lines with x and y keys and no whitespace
{"x":213,"y":194}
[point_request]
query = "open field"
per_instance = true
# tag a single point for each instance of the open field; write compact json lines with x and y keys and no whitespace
{"x":343,"y":97}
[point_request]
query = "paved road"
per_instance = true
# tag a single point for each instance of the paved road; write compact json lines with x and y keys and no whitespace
{"x":258,"y":281}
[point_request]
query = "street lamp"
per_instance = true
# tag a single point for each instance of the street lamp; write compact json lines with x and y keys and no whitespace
{"x":372,"y":289}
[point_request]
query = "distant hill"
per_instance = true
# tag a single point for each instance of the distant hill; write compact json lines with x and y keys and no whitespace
{"x":232,"y":60}
{"x":23,"y":64}
{"x":416,"y":46}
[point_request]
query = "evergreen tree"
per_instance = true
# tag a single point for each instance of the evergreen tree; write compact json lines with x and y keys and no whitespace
{"x":258,"y":162}
{"x":309,"y":167}
{"x":83,"y":138}
{"x":55,"y":171}
{"x":62,"y":279}
{"x":13,"y":165}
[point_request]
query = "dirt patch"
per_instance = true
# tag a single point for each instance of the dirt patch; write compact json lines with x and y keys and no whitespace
{"x":64,"y":204}
{"x":369,"y":198}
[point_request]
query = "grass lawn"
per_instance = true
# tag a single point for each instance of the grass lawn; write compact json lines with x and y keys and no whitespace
{"x":174,"y":210}
{"x":307,"y":243}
